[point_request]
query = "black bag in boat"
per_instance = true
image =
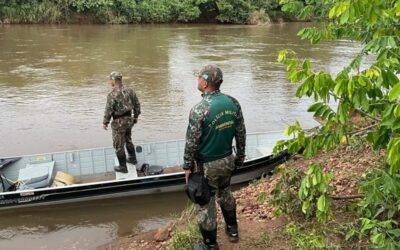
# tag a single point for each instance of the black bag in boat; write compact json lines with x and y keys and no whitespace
{"x":197,"y":189}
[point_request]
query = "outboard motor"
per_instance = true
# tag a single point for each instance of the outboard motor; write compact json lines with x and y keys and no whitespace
{"x":2,"y":187}
{"x":5,"y":184}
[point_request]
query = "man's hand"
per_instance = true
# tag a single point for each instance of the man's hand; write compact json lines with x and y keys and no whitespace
{"x":105,"y":126}
{"x":239,"y":160}
{"x":187,"y":173}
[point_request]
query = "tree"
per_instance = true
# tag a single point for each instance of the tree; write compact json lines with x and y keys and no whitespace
{"x":373,"y":92}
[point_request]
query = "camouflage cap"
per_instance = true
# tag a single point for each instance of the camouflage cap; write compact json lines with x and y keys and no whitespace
{"x":115,"y":75}
{"x":211,"y":73}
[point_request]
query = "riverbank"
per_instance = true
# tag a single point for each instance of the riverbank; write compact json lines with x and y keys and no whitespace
{"x":146,"y":11}
{"x":260,"y":226}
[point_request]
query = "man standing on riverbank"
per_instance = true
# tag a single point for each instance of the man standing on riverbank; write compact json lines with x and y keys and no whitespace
{"x":213,"y":123}
{"x":122,"y":103}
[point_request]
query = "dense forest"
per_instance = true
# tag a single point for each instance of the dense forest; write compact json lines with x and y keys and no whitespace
{"x":139,"y":11}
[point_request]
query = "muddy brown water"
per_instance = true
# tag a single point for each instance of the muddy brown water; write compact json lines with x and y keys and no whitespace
{"x":53,"y":85}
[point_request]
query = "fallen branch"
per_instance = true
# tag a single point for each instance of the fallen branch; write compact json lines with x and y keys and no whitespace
{"x":362,"y":130}
{"x":348,"y":197}
{"x":368,"y":115}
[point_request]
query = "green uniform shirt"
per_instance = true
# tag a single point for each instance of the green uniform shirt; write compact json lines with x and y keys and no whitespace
{"x":213,"y":123}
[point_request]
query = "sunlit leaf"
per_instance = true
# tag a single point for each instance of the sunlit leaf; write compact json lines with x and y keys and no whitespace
{"x":378,"y":239}
{"x":306,"y":206}
{"x":321,"y":204}
{"x":394,"y":92}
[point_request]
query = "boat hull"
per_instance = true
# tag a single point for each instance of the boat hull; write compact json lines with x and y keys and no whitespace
{"x":162,"y":183}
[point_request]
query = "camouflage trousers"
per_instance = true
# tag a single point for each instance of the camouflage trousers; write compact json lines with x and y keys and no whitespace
{"x":219,"y":174}
{"x":122,"y":137}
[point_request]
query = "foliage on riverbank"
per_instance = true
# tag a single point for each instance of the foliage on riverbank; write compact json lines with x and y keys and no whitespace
{"x":371,"y":91}
{"x":138,"y":11}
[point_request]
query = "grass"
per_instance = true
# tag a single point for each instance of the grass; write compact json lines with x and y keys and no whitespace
{"x":183,"y":239}
{"x":187,"y":235}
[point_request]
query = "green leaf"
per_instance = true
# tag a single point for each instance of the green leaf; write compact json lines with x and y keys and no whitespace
{"x":342,"y":112}
{"x":366,"y":225}
{"x":397,"y":111}
{"x":394,"y":92}
{"x":305,"y":206}
{"x":344,"y":17}
{"x":362,"y":81}
{"x":388,"y":121}
{"x":332,"y":12}
{"x":306,"y":65}
{"x":378,"y":239}
{"x":315,"y":107}
{"x":314,"y":180}
{"x":338,"y":90}
{"x":395,"y":232}
{"x":321,"y":204}
{"x":350,"y":87}
{"x":393,"y":155}
{"x":282,"y":55}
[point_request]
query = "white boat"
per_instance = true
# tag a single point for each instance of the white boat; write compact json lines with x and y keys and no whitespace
{"x":82,"y":175}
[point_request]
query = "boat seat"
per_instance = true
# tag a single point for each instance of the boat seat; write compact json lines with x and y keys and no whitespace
{"x":36,"y":175}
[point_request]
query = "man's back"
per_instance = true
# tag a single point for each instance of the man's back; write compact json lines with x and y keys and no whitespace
{"x":121,"y":100}
{"x":222,"y":116}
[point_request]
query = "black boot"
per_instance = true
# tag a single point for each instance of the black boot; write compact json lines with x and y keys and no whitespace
{"x":132,"y":154}
{"x":231,"y":228}
{"x":122,"y":164}
{"x":209,"y":240}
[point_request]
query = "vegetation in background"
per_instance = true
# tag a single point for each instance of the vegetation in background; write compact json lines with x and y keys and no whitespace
{"x":138,"y":11}
{"x":373,"y":92}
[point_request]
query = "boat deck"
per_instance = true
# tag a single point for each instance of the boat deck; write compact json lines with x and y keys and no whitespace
{"x":97,"y":165}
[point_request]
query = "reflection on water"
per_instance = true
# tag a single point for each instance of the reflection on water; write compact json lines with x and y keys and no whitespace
{"x":53,"y":85}
{"x":86,"y":225}
{"x":53,"y":79}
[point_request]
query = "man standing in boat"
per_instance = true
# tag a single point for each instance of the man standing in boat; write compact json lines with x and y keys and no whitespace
{"x":213,"y":123}
{"x":124,"y":107}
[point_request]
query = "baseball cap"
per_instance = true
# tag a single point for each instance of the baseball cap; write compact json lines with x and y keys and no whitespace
{"x":211,"y":73}
{"x":115,"y":75}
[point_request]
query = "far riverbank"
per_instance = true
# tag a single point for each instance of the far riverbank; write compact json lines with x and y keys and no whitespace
{"x":139,"y":12}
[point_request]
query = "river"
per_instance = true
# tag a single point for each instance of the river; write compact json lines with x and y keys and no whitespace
{"x":53,"y":85}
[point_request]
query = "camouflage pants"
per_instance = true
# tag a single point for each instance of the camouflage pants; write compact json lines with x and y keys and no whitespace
{"x":122,"y":137}
{"x":218,"y":174}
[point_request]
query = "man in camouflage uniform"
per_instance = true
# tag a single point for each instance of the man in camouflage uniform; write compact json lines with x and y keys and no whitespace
{"x":213,"y":123}
{"x":124,"y":107}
